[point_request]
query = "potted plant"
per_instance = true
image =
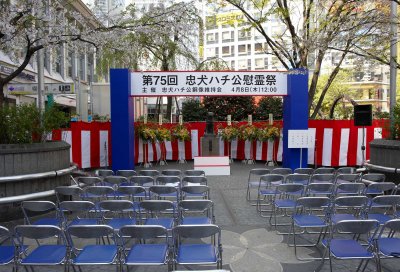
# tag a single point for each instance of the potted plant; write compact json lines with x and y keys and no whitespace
{"x":228,"y":134}
{"x":163,"y":134}
{"x":249,"y":133}
{"x":181,"y":133}
{"x":270,"y":134}
{"x":147,"y":133}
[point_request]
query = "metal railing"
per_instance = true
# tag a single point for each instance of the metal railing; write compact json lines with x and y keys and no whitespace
{"x":24,"y":197}
{"x":381,"y":168}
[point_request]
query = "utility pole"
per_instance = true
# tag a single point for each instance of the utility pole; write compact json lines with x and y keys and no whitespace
{"x":393,"y":61}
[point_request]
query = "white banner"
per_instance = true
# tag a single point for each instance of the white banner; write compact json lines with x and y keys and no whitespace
{"x":200,"y":83}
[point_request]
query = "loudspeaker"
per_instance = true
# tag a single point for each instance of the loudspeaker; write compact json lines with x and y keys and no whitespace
{"x":363,"y":115}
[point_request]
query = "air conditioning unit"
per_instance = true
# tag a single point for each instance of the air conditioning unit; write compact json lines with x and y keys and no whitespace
{"x":244,"y":34}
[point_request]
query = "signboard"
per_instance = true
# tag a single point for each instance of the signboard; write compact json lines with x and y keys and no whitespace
{"x":32,"y":88}
{"x":300,"y":139}
{"x":214,"y":83}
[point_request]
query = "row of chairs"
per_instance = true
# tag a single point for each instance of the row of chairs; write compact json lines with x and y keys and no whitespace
{"x":148,"y":172}
{"x":117,"y":213}
{"x":45,"y":245}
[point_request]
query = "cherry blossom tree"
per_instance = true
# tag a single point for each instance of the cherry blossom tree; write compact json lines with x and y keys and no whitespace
{"x":313,"y":30}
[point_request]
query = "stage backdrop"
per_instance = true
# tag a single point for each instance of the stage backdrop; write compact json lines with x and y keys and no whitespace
{"x":338,"y":143}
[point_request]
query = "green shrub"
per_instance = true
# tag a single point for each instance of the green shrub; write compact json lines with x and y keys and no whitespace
{"x":21,"y":124}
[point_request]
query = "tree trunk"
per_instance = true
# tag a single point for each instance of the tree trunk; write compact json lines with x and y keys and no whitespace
{"x":1,"y":94}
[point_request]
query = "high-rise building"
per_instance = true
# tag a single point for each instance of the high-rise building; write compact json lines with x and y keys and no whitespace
{"x":106,"y":10}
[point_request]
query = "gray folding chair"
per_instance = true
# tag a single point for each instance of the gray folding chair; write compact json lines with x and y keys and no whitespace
{"x":196,"y":212}
{"x":348,"y":208}
{"x":282,"y":171}
{"x":68,"y":193}
{"x":347,"y":178}
{"x":9,"y":252}
{"x":195,"y":253}
{"x":143,"y":253}
{"x":118,"y":213}
{"x":356,"y":188}
{"x":47,"y":245}
{"x":81,"y":213}
{"x":307,"y":217}
{"x":325,"y":170}
{"x":115,"y":181}
{"x":89,"y":181}
{"x":253,"y":181}
{"x":320,"y":189}
{"x":326,"y":177}
{"x":164,"y":192}
{"x":168,"y":180}
{"x":144,"y":181}
{"x":344,"y":244}
{"x":298,"y":178}
{"x":98,"y":193}
{"x":306,"y":171}
{"x":346,"y":170}
{"x":387,"y":243}
{"x":372,"y":178}
{"x":132,"y":193}
{"x":149,"y":173}
{"x":380,"y":188}
{"x":159,"y":212}
{"x":102,"y":173}
{"x":195,"y":191}
{"x":93,"y":253}
{"x":33,"y":208}
{"x":194,"y":180}
{"x":383,"y":208}
{"x":266,"y":192}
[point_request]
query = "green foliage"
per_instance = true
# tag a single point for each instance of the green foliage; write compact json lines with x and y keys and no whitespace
{"x":395,"y":129}
{"x":21,"y":124}
{"x":268,"y":105}
{"x":239,"y":107}
{"x":193,"y":110}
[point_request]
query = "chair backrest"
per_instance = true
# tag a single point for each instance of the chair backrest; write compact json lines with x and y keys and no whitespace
{"x":126,"y":173}
{"x":307,"y":171}
{"x":156,"y":205}
{"x":346,"y":170}
{"x":149,"y":173}
{"x":390,"y":227}
{"x":38,"y":206}
{"x":116,"y":205}
{"x":320,"y":188}
{"x":313,"y":202}
{"x":290,"y":189}
{"x":381,"y":187}
{"x":37,"y":232}
{"x":196,"y":231}
{"x":115,"y":180}
{"x":104,"y":172}
{"x":171,"y":172}
{"x":282,"y":171}
{"x":142,"y":180}
{"x":351,"y":201}
{"x":195,"y":205}
{"x":328,"y":177}
{"x":4,"y":234}
{"x":373,"y":177}
{"x":132,"y":191}
{"x":194,"y":173}
{"x":356,"y":188}
{"x":90,"y":231}
{"x":298,"y":178}
{"x":358,"y":226}
{"x":98,"y":192}
{"x":340,"y":178}
{"x":386,"y":200}
{"x":163,"y":180}
{"x":68,"y":191}
{"x":164,"y":190}
{"x":196,"y":189}
{"x":194,"y":179}
{"x":77,"y":206}
{"x":143,"y":231}
{"x":254,"y":173}
{"x":272,"y":179}
{"x":325,"y":170}
{"x":89,"y":181}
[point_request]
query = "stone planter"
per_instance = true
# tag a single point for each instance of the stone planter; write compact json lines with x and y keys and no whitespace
{"x":30,"y":159}
{"x":385,"y":153}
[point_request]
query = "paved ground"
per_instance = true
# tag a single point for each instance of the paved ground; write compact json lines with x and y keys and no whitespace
{"x":249,"y":243}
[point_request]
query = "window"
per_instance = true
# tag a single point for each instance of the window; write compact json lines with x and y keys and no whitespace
{"x":233,"y":65}
{"x":242,"y":64}
{"x":258,"y":48}
{"x":242,"y":49}
{"x":244,"y":35}
{"x":70,"y":62}
{"x":226,"y":51}
{"x":211,"y":52}
{"x":227,"y":36}
{"x":57,"y":60}
{"x":211,"y":38}
{"x":82,"y":69}
{"x":259,"y":63}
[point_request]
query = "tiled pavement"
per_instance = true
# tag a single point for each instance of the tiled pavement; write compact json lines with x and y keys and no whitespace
{"x":249,"y":244}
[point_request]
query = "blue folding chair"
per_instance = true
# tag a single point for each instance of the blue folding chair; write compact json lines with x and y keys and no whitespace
{"x":196,"y":212}
{"x":197,"y":253}
{"x":387,"y":243}
{"x":31,"y":208}
{"x":298,"y":178}
{"x":266,"y":192}
{"x":253,"y":181}
{"x":8,"y":251}
{"x":118,"y":213}
{"x":126,"y":173}
{"x":383,"y":208}
{"x":347,"y":178}
{"x":93,"y":253}
{"x":324,"y":170}
{"x":348,"y":208}
{"x":82,"y":213}
{"x":44,"y":250}
{"x":188,"y":173}
{"x":195,"y":191}
{"x":344,"y":242}
{"x":159,"y":212}
{"x":307,"y":218}
{"x":144,"y":253}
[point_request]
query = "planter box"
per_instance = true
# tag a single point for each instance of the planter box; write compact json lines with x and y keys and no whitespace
{"x":25,"y":159}
{"x":386,"y":153}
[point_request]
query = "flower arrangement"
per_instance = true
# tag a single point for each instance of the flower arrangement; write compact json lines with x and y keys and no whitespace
{"x":248,"y":132}
{"x":268,"y":133}
{"x":146,"y":132}
{"x":181,"y":133}
{"x":229,"y":133}
{"x":163,"y":134}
